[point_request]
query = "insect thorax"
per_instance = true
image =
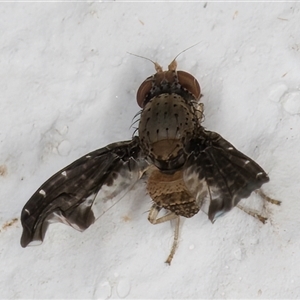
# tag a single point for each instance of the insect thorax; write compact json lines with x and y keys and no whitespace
{"x":168,"y":122}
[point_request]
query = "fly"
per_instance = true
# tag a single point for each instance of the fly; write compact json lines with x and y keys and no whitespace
{"x":183,"y":163}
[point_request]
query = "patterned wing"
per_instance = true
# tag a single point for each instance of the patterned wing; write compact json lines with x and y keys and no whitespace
{"x":69,"y":196}
{"x":229,"y":174}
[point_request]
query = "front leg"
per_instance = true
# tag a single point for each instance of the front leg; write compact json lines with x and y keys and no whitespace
{"x":152,"y":217}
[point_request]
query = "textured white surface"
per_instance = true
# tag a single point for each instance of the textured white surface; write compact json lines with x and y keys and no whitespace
{"x":68,"y":87}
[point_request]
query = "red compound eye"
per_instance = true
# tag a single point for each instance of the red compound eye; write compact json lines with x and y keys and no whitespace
{"x":143,"y":90}
{"x":189,"y":82}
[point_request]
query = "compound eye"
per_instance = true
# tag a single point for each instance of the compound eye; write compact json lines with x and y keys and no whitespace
{"x":143,"y":90}
{"x":189,"y":82}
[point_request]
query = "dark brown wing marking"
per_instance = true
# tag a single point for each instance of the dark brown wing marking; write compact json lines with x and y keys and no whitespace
{"x":69,"y":196}
{"x":230,"y":175}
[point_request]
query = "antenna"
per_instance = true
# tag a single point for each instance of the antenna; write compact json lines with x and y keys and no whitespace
{"x":158,"y":68}
{"x":186,"y":50}
{"x":172,"y":65}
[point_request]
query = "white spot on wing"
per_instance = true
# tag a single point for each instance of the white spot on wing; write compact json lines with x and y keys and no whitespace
{"x":42,"y":192}
{"x":27,"y":211}
{"x":64,"y":173}
{"x":88,"y":156}
{"x":230,"y":148}
{"x":247,"y":162}
{"x":258,"y":174}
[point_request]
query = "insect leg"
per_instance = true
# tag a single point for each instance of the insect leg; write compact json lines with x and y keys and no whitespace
{"x":175,"y":241}
{"x":252,"y":213}
{"x":267,"y":198}
{"x":152,"y":217}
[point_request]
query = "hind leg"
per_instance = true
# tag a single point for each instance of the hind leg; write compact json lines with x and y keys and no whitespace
{"x":254,"y":213}
{"x":152,"y":217}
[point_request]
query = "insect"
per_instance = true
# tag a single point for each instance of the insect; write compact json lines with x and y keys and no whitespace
{"x":183,"y":164}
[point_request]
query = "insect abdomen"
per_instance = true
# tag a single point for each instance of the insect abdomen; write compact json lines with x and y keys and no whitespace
{"x":170,"y":192}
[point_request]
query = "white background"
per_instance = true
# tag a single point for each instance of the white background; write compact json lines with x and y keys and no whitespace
{"x":67,"y":87}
